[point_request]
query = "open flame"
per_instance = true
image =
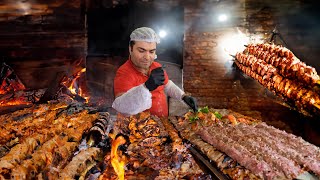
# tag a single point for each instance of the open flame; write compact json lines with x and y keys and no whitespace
{"x":118,"y":161}
{"x":72,"y":85}
{"x":13,"y":91}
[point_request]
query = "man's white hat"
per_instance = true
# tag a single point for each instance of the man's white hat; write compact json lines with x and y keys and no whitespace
{"x":144,"y":34}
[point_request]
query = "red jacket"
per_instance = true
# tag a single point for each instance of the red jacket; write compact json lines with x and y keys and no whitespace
{"x":128,"y":76}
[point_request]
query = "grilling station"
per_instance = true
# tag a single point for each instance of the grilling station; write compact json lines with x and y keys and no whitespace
{"x":259,"y":100}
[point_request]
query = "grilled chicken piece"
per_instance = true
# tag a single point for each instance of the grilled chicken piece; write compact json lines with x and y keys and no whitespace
{"x":20,"y":152}
{"x":282,"y":58}
{"x":302,"y":97}
{"x":40,"y":159}
{"x":79,"y":163}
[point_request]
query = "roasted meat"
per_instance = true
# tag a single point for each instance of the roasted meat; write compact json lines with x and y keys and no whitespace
{"x":155,"y":146}
{"x":261,"y":150}
{"x":276,"y":71}
{"x":48,"y":136}
{"x":79,"y":163}
{"x":285,"y":61}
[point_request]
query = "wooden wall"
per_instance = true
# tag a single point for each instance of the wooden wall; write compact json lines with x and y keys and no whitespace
{"x":40,"y":38}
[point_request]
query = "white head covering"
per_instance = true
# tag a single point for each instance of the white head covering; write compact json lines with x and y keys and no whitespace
{"x":144,"y":34}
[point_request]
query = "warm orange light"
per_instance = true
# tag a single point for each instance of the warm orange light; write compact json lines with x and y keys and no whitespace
{"x":13,"y":102}
{"x":118,"y":162}
{"x":7,"y":87}
{"x":72,"y":85}
{"x":3,"y":91}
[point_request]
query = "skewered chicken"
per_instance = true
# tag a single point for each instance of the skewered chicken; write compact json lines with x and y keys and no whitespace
{"x":48,"y":136}
{"x":79,"y":163}
{"x":275,"y":68}
{"x":283,"y":59}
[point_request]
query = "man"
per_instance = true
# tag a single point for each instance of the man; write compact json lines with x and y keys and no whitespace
{"x":140,"y":83}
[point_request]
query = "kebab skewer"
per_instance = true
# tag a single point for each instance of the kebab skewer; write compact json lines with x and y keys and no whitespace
{"x":283,"y":59}
{"x":276,"y":75}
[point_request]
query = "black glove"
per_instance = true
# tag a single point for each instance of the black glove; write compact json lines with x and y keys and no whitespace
{"x":156,"y":79}
{"x":191,"y":102}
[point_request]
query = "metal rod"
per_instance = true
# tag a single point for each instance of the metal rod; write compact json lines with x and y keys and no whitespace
{"x":214,"y":170}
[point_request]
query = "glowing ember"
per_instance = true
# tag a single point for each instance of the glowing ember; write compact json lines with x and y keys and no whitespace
{"x":118,"y":161}
{"x":9,"y":80}
{"x":14,"y":102}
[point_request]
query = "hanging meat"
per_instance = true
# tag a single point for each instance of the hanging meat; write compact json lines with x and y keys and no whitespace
{"x":285,"y":61}
{"x":277,"y":69}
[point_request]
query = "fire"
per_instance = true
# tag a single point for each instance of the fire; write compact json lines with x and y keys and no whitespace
{"x":9,"y":80}
{"x":118,"y":161}
{"x":73,"y":85}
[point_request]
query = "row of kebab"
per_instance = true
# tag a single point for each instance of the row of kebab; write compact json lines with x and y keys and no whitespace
{"x":280,"y":71}
{"x":72,"y":140}
{"x":61,"y":141}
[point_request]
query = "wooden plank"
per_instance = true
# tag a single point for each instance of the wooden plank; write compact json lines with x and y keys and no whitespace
{"x":43,"y":53}
{"x":53,"y":88}
{"x":49,"y":41}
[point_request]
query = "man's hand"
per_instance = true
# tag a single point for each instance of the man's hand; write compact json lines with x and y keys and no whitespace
{"x":191,"y":102}
{"x":156,"y":79}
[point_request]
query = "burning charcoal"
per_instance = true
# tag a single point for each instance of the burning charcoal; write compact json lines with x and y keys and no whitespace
{"x":9,"y":80}
{"x":75,"y":108}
